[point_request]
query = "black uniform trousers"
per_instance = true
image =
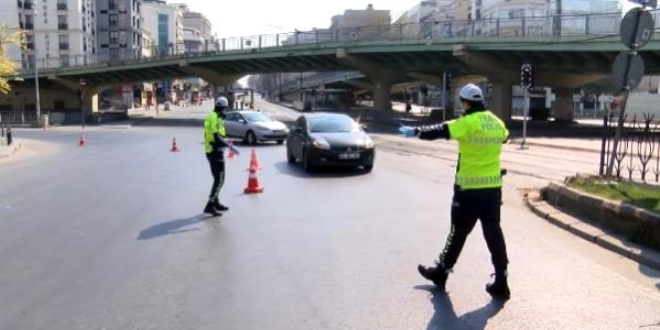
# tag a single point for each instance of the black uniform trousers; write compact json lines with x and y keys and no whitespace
{"x":468,"y":206}
{"x":217,"y":162}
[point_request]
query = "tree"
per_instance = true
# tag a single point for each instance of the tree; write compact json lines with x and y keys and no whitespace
{"x":8,"y":36}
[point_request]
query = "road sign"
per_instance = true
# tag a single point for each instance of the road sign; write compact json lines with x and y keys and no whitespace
{"x":635,"y":72}
{"x":648,"y":3}
{"x":631,"y":34}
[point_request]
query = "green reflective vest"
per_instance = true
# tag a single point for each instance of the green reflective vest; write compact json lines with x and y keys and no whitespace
{"x":213,"y":124}
{"x":480,"y":136}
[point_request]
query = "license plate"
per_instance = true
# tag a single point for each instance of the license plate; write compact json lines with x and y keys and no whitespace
{"x":349,"y":156}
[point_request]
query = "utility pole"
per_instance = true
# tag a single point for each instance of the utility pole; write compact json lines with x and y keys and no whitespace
{"x":36,"y":60}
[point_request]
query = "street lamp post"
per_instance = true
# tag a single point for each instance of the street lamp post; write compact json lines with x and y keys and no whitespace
{"x":36,"y":61}
{"x":81,"y":91}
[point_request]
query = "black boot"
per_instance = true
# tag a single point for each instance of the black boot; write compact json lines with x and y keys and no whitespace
{"x":219,"y":206}
{"x":499,"y":288}
{"x":437,"y":275}
{"x":210,"y":209}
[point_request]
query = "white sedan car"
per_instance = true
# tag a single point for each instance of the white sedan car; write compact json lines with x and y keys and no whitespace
{"x":254,"y":126}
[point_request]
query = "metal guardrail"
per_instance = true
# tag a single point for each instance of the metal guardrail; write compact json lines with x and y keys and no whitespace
{"x":18,"y":118}
{"x":314,"y":81}
{"x":436,"y":31}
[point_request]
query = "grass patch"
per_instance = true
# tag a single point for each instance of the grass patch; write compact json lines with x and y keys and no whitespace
{"x":640,"y":195}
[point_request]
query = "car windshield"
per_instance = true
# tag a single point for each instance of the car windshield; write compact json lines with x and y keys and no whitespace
{"x":333,"y":125}
{"x":256,"y":117}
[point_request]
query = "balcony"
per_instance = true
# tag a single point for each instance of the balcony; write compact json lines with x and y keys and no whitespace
{"x":63,"y":26}
{"x":62,"y":6}
{"x":64,"y":46}
{"x":29,"y":45}
{"x":25,"y":5}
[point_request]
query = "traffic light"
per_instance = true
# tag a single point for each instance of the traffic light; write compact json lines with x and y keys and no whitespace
{"x":527,"y":76}
{"x":447,"y":81}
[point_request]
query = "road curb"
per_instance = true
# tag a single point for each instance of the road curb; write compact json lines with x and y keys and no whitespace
{"x":14,"y":148}
{"x":592,"y":233}
{"x":554,"y":146}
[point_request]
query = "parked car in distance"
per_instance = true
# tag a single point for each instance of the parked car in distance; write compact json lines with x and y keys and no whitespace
{"x":254,"y":126}
{"x":329,"y":139}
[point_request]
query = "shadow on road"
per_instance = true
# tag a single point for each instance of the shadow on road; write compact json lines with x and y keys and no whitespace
{"x":321,"y":172}
{"x":445,"y":317}
{"x":243,"y":144}
{"x":170,"y":227}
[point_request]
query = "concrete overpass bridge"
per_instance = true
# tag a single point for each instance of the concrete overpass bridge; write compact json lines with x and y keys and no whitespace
{"x":568,"y":52}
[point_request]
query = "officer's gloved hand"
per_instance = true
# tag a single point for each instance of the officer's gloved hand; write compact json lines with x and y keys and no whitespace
{"x":234,"y":150}
{"x":407,"y":131}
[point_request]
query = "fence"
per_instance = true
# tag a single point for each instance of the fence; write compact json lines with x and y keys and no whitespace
{"x":638,"y":153}
{"x":18,"y":118}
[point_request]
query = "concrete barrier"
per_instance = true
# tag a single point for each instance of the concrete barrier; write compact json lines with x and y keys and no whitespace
{"x":621,"y":217}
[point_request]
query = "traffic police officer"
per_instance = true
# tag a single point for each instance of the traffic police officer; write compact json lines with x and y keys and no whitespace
{"x":215,"y":145}
{"x":477,"y":188}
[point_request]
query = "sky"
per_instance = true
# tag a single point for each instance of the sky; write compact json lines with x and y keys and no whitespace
{"x":235,"y":18}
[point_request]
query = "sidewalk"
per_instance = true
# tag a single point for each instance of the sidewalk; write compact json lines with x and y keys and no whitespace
{"x":6,"y":151}
{"x":575,"y":144}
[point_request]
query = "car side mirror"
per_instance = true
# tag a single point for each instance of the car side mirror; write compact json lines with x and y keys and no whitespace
{"x":242,"y":121}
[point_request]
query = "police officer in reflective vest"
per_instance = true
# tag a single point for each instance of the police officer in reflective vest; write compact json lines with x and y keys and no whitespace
{"x":477,"y":189}
{"x":215,"y":144}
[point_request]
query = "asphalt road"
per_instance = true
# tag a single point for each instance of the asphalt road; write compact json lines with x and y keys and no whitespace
{"x":111,"y":236}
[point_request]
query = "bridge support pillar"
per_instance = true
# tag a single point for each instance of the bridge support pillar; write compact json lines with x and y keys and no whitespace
{"x":381,"y":94}
{"x":502,"y":96}
{"x":563,"y":111}
{"x":381,"y":78}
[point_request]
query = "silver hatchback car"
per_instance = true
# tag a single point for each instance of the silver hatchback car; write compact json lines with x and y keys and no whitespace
{"x":255,"y":126}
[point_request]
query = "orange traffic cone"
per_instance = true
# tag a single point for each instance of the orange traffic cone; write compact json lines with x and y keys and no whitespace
{"x":231,"y":152}
{"x":254,"y":163}
{"x":253,"y":186}
{"x":82,"y":142}
{"x":174,"y":147}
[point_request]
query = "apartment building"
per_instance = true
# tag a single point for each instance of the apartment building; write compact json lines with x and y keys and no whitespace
{"x":119,"y":29}
{"x":59,"y":33}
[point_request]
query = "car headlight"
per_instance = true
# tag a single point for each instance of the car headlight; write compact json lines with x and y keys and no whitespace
{"x":369,"y":144}
{"x":321,"y":144}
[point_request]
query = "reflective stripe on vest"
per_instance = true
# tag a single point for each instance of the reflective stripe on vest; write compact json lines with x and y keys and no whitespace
{"x":467,"y":182}
{"x":484,"y":140}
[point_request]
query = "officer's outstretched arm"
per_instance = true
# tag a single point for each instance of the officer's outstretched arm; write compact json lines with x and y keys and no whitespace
{"x":433,"y":132}
{"x":219,"y":141}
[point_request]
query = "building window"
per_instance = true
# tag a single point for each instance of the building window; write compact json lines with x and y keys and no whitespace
{"x":114,"y":54}
{"x":114,"y":37}
{"x":519,"y":13}
{"x":29,"y":41}
{"x":64,"y":42}
{"x":64,"y":60}
{"x":163,"y":33}
{"x":113,"y":20}
{"x":112,"y":4}
{"x":62,"y":22}
{"x":29,"y":22}
{"x":62,"y":5}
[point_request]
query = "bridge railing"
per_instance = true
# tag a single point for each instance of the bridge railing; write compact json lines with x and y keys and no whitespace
{"x":437,"y":31}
